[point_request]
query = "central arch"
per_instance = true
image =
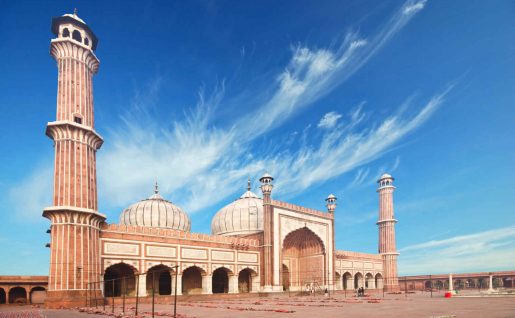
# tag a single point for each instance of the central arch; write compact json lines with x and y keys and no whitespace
{"x":305,"y":253}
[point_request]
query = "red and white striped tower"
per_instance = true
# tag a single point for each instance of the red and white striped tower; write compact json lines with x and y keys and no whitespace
{"x":268,"y":233}
{"x":386,"y":224}
{"x":74,"y":247}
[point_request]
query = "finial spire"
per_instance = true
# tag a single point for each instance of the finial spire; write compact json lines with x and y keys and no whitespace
{"x":75,"y":11}
{"x":248,"y":184}
{"x":156,"y":188}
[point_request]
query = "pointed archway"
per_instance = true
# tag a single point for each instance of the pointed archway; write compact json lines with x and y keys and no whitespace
{"x":119,"y":279}
{"x":304,"y":251}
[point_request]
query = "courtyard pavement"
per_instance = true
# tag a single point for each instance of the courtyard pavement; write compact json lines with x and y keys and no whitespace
{"x":415,"y":305}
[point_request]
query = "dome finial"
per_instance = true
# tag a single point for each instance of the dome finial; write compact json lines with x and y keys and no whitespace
{"x":248,"y":184}
{"x":156,"y":188}
{"x":75,"y":11}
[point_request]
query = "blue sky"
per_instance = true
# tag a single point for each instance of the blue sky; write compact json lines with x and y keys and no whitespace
{"x":324,"y":95}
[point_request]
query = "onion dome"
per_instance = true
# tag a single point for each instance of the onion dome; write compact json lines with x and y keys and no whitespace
{"x":156,"y":212}
{"x":241,"y":217}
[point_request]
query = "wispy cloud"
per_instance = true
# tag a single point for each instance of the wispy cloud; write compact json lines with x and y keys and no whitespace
{"x":341,"y":151}
{"x":461,"y":253}
{"x":329,"y":120}
{"x":360,"y":177}
{"x":33,"y":194}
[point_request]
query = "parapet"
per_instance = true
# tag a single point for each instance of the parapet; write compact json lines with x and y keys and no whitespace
{"x":301,"y":209}
{"x":170,"y":233}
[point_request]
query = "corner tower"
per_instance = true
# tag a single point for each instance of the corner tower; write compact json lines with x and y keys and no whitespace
{"x":74,"y":216}
{"x":268,"y":233}
{"x":386,"y":224}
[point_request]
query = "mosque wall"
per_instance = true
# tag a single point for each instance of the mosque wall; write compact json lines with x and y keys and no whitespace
{"x":143,"y":248}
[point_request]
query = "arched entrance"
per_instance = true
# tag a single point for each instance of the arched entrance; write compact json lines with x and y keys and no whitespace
{"x":17,"y":295}
{"x":192,"y":281}
{"x":37,"y":295}
{"x":245,"y":280}
{"x":369,"y":281}
{"x":304,"y":252}
{"x":286,"y":277}
{"x":220,"y":281}
{"x":379,"y":281}
{"x":119,"y":279}
{"x":439,"y":285}
{"x":347,"y":281}
{"x":3,"y":298}
{"x":337,"y":281}
{"x":358,"y":280}
{"x":162,"y":280}
{"x":428,"y":284}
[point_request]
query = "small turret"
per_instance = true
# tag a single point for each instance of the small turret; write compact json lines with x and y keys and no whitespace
{"x":331,"y":203}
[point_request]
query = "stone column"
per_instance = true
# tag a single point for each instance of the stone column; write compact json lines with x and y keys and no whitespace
{"x":490,"y":283}
{"x":451,"y":288}
{"x":142,"y":285}
{"x":233,"y":284}
{"x":207,"y":285}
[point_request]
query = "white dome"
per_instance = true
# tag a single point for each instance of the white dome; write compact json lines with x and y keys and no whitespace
{"x":156,"y":212}
{"x":243,"y":216}
{"x":74,"y":16}
{"x":385,"y":176}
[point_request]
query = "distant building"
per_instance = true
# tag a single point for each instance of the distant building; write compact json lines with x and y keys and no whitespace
{"x":258,"y":244}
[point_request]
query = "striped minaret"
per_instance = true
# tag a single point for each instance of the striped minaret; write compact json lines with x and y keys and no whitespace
{"x":386,"y":224}
{"x":74,"y":247}
{"x":268,"y":233}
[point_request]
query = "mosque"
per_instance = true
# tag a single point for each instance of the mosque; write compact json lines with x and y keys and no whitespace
{"x":258,"y":244}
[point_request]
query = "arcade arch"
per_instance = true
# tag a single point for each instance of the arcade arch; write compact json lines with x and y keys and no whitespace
{"x":3,"y":297}
{"x":162,"y":283}
{"x":17,"y":295}
{"x":246,"y":279}
{"x":192,"y":280}
{"x":37,"y":295}
{"x":379,"y":281}
{"x":347,"y":281}
{"x":119,"y":278}
{"x":220,"y":280}
{"x":358,"y":280}
{"x":369,"y":281}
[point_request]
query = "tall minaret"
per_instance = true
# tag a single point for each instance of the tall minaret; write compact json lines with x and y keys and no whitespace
{"x":268,"y":233}
{"x":386,"y":224}
{"x":74,"y":247}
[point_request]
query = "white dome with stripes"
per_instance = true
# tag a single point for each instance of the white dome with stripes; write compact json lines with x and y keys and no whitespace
{"x":241,"y":217}
{"x":156,"y":212}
